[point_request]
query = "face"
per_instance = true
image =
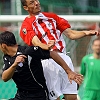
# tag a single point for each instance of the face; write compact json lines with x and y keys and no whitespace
{"x":33,"y":7}
{"x":96,"y":47}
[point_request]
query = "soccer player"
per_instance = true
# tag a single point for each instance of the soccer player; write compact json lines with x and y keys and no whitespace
{"x":90,"y":68}
{"x":23,"y":65}
{"x":40,"y":29}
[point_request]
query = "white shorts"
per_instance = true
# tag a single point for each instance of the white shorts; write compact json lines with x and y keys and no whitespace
{"x":57,"y":79}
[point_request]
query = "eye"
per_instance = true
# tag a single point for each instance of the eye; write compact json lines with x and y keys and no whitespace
{"x":32,"y":2}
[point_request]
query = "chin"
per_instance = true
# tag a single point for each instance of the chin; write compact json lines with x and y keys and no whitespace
{"x":38,"y":11}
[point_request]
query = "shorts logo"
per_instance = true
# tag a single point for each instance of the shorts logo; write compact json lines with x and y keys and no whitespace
{"x":52,"y":93}
{"x":24,"y":31}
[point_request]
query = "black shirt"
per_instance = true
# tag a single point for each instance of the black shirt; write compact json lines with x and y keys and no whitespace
{"x":29,"y":76}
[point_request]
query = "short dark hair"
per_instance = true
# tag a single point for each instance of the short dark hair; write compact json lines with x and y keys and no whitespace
{"x":96,"y":39}
{"x":23,"y":2}
{"x":7,"y":38}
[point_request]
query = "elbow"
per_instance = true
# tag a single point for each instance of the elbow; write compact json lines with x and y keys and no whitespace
{"x":35,"y":43}
{"x":4,"y":79}
{"x":72,"y":38}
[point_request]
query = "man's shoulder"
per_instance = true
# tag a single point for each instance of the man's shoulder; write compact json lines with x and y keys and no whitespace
{"x":22,"y":48}
{"x":89,"y":56}
{"x":28,"y":20}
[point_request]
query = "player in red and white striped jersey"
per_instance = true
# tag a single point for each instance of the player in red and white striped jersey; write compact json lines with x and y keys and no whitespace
{"x":46,"y":26}
{"x":43,"y":29}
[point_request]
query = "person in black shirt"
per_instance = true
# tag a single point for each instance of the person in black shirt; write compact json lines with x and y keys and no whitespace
{"x":23,"y":65}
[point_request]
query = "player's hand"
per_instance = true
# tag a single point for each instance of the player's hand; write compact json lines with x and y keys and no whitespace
{"x":78,"y":78}
{"x":51,"y":43}
{"x":20,"y":58}
{"x":92,"y":32}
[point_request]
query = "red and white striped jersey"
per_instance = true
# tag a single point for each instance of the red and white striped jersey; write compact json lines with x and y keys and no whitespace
{"x":47,"y":26}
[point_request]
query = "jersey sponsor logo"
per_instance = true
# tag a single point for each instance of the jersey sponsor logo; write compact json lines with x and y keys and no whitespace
{"x":24,"y":31}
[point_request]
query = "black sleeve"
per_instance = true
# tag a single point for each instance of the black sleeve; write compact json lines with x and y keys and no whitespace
{"x":37,"y":52}
{"x":6,"y":63}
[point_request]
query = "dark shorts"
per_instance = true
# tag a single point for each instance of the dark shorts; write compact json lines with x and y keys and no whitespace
{"x":25,"y":95}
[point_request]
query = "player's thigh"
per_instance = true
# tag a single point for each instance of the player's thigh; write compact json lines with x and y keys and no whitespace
{"x":51,"y":73}
{"x":70,"y":96}
{"x":66,"y":86}
{"x":67,"y":59}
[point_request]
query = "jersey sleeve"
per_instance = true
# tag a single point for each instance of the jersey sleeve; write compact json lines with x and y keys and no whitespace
{"x":37,"y":52}
{"x":27,"y":33}
{"x":83,"y":66}
{"x":62,"y":23}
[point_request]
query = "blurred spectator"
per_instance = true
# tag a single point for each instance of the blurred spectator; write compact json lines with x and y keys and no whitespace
{"x":90,"y":68}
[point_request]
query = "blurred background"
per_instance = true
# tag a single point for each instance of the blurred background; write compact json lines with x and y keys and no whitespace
{"x":76,"y":48}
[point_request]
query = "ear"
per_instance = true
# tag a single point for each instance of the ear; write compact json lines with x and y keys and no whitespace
{"x":25,"y":7}
{"x":3,"y":45}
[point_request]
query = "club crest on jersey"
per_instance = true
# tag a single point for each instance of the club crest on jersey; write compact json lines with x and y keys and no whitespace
{"x":24,"y":31}
{"x":50,"y":25}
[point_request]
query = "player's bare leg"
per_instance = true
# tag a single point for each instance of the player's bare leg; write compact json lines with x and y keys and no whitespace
{"x":70,"y":97}
{"x":58,"y":98}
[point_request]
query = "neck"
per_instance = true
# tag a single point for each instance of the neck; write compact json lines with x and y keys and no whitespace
{"x":12,"y":50}
{"x":97,"y":56}
{"x":30,"y":15}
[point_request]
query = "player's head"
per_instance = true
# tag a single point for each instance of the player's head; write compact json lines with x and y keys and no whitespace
{"x":32,"y":6}
{"x":96,"y":46}
{"x":7,"y":39}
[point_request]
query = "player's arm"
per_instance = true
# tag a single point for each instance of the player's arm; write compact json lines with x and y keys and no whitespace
{"x":54,"y":55}
{"x":64,"y":27}
{"x":73,"y":34}
{"x":8,"y":73}
{"x":39,"y":53}
{"x":83,"y":67}
{"x":37,"y":42}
